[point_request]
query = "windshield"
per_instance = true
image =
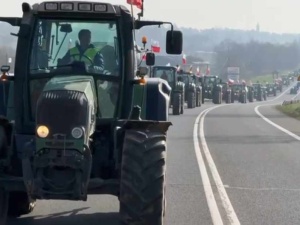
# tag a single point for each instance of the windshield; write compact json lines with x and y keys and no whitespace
{"x":237,"y":87}
{"x":210,"y":80}
{"x":164,"y":73}
{"x":58,"y":43}
{"x":61,"y":42}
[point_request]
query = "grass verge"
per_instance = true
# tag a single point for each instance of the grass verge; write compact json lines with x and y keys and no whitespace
{"x":262,"y":79}
{"x":292,"y":110}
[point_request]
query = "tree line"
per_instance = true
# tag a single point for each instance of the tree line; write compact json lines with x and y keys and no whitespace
{"x":256,"y":58}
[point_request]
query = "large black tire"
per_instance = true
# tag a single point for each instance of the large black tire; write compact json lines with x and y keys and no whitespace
{"x":176,"y":104}
{"x":3,"y":206}
{"x":217,"y":97}
{"x":20,"y":204}
{"x":4,"y":195}
{"x":244,"y":98}
{"x":182,"y":103}
{"x":143,"y":170}
{"x":191,"y":100}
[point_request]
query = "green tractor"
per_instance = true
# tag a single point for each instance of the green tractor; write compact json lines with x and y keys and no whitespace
{"x":260,"y":92}
{"x":212,"y":89}
{"x":169,"y":73}
{"x":197,"y":82}
{"x":192,"y":89}
{"x":226,"y":92}
{"x":75,"y":129}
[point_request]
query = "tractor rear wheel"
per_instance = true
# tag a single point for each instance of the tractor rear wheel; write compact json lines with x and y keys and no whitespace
{"x":191,"y":100}
{"x":142,"y":186}
{"x":176,"y":104}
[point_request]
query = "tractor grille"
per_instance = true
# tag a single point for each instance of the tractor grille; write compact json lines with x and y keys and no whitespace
{"x":62,"y":110}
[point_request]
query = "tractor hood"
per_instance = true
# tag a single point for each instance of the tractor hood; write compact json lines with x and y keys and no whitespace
{"x":66,"y":103}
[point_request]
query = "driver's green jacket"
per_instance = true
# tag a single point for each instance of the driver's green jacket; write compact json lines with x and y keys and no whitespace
{"x":90,"y":56}
{"x":87,"y":57}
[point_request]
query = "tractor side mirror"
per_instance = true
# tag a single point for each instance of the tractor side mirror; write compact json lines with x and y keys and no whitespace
{"x":66,"y":28}
{"x":142,"y":71}
{"x":150,"y":59}
{"x":5,"y":68}
{"x":174,"y":42}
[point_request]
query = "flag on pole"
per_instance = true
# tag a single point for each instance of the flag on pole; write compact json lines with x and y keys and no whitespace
{"x":137,"y":3}
{"x":198,"y":70}
{"x":155,"y":47}
{"x":183,"y":59}
{"x":144,"y":57}
{"x":207,"y":71}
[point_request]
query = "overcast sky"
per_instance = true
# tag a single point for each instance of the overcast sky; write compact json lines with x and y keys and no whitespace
{"x":278,"y":16}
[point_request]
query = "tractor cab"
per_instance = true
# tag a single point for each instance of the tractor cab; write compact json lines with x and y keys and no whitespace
{"x":167,"y":73}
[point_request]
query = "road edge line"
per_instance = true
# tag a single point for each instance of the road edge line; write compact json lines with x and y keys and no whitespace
{"x":215,"y":174}
{"x":275,"y":124}
{"x":210,"y":198}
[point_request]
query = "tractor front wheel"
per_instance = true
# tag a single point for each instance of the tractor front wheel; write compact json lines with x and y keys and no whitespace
{"x":3,"y":206}
{"x":176,"y":104}
{"x":20,"y":204}
{"x":142,"y":186}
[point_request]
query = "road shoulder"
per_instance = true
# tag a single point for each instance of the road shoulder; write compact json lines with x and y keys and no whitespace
{"x":280,"y":118}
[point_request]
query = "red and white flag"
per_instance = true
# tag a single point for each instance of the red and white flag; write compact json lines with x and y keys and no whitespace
{"x":198,"y":71}
{"x":155,"y":47}
{"x":137,"y":3}
{"x":183,"y":59}
{"x":207,"y":71}
{"x":144,"y":57}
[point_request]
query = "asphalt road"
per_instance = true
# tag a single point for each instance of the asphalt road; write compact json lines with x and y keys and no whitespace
{"x":247,"y":159}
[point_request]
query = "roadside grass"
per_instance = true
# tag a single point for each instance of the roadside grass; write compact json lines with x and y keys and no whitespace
{"x":292,"y":110}
{"x":265,"y":77}
{"x":262,"y":79}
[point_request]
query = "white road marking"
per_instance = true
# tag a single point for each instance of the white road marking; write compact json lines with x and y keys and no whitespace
{"x":211,"y":201}
{"x":262,"y":189}
{"x":274,"y":124}
{"x":232,"y":217}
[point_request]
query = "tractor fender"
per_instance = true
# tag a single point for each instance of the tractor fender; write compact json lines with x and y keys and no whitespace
{"x":192,"y":87}
{"x":153,"y":97}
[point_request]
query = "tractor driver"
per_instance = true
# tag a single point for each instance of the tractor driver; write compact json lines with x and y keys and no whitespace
{"x":84,"y":52}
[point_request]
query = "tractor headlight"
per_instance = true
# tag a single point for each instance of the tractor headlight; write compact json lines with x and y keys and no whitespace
{"x":42,"y":131}
{"x":77,"y":132}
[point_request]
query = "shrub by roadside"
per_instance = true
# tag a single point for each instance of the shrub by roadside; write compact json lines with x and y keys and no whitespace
{"x":292,"y":110}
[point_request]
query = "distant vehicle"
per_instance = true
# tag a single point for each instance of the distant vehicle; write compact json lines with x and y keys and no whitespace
{"x":259,"y":92}
{"x":294,"y":90}
{"x":271,"y":89}
{"x":239,"y":93}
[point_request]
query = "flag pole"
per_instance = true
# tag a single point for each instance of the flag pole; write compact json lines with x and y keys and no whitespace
{"x":141,"y":14}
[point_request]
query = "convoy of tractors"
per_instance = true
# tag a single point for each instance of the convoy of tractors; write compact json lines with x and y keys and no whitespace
{"x":189,"y":88}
